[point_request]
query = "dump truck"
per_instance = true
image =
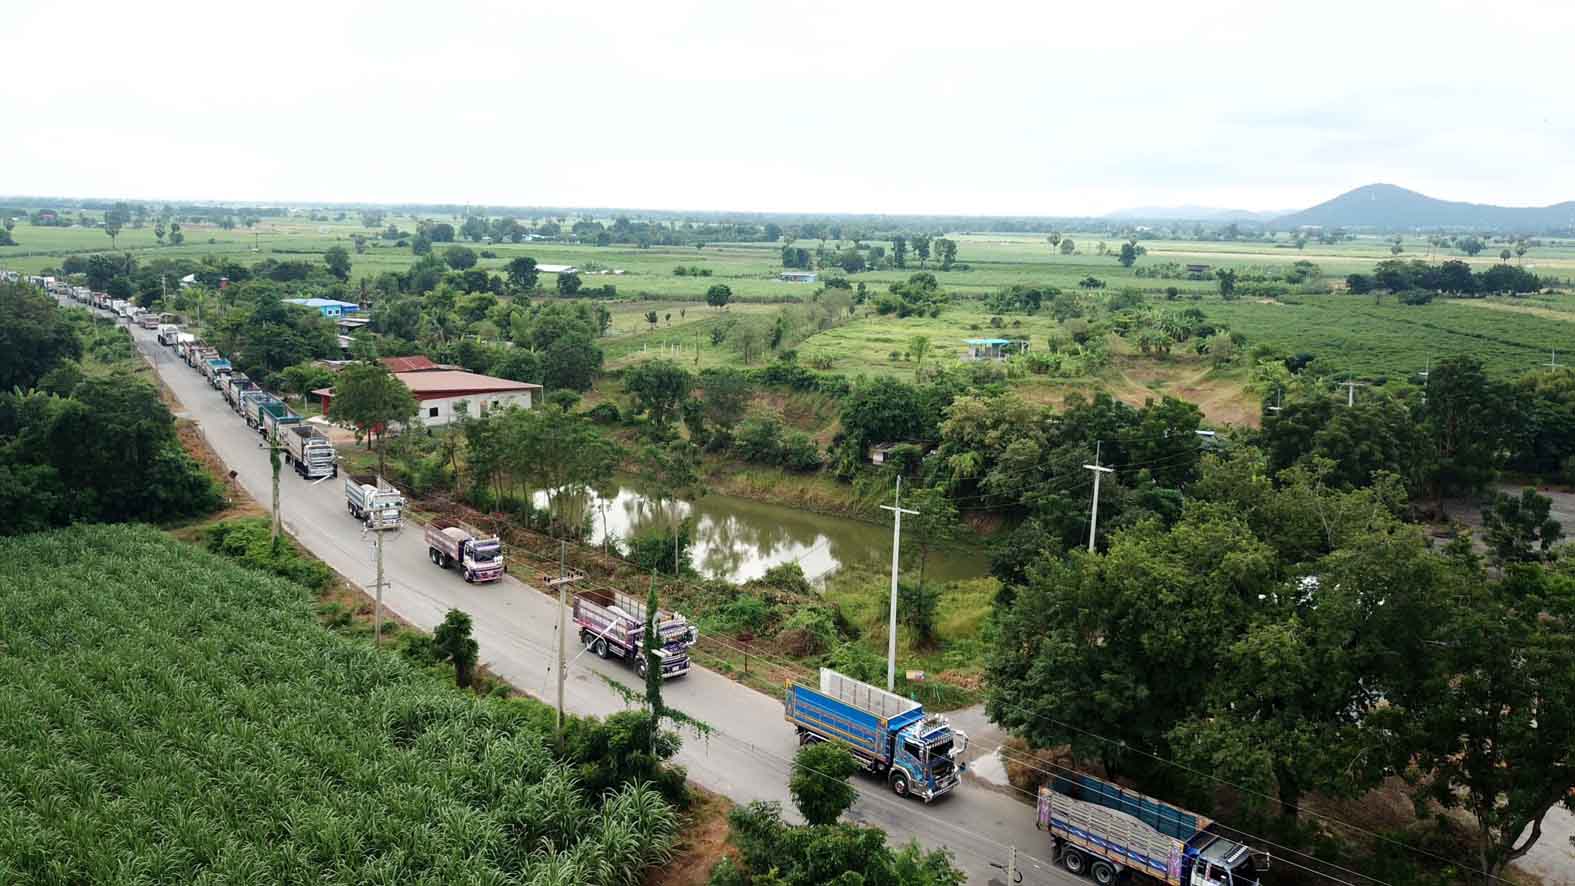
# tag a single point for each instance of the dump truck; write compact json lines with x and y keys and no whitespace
{"x":309,"y":451}
{"x":257,"y":408}
{"x":917,"y":754}
{"x":480,"y":556}
{"x":236,"y":384}
{"x":246,"y":403}
{"x":148,"y":320}
{"x":615,"y":628}
{"x":379,"y":506}
{"x":167,"y":333}
{"x":276,"y":418}
{"x":214,"y":369}
{"x":1104,"y":831}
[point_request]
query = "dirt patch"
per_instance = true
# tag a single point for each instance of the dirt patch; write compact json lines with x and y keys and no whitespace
{"x":1546,"y":313}
{"x":703,"y":844}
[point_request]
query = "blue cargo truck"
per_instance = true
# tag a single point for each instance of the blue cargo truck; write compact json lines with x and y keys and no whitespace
{"x":1106,"y":832}
{"x":917,"y":754}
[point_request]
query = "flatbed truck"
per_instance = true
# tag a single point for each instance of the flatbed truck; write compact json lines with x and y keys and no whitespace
{"x":917,"y":754}
{"x":480,"y":556}
{"x":615,"y":628}
{"x":1110,"y":834}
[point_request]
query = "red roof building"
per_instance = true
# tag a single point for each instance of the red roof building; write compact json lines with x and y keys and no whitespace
{"x":445,"y":394}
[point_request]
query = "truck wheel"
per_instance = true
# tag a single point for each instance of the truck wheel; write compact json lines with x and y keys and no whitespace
{"x":1103,"y":873}
{"x":639,"y":666}
{"x":599,"y":647}
{"x":899,"y":785}
{"x":432,"y":554}
{"x":1074,"y":861}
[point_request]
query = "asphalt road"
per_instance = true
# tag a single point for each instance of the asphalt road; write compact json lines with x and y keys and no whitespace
{"x":748,"y":755}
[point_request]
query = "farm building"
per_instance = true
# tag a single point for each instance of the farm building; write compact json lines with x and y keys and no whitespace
{"x":330,"y":308}
{"x":439,"y":393}
{"x":797,"y":276}
{"x":1197,"y":272}
{"x":557,"y":269}
{"x":975,"y":349}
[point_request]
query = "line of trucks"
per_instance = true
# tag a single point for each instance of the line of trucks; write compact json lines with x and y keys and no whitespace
{"x":1097,"y":828}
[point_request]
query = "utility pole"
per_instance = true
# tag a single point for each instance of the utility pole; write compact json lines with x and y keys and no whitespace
{"x":1350,"y":391}
{"x":562,"y":583}
{"x":1093,"y":514}
{"x":1553,"y":359}
{"x":897,"y":511}
{"x":1279,"y":393}
{"x":273,"y":458}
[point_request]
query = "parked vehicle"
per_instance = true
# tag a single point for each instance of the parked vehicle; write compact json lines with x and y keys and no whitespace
{"x":616,"y":629}
{"x":148,"y":320}
{"x":259,"y":408}
{"x":234,"y":386}
{"x":214,"y":369}
{"x":479,"y":555}
{"x":310,"y":451}
{"x":379,"y":507}
{"x":200,"y":353}
{"x":245,"y":403}
{"x":167,"y":333}
{"x":1106,"y":832}
{"x":276,"y":419}
{"x":917,"y":754}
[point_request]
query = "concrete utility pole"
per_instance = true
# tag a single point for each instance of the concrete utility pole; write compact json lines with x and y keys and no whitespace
{"x":1279,"y":393}
{"x":273,"y":458}
{"x":1553,"y":359}
{"x":897,"y":511}
{"x":562,"y":583}
{"x":374,"y":523}
{"x":1093,"y":514}
{"x":1350,"y":391}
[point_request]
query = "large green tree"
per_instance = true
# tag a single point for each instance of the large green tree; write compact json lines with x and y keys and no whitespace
{"x":659,"y":388}
{"x":34,"y":337}
{"x":372,"y":399}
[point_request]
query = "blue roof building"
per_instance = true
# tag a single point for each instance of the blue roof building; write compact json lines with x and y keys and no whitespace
{"x":329,"y":307}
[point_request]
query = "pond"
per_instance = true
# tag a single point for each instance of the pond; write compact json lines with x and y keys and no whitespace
{"x":738,"y":539}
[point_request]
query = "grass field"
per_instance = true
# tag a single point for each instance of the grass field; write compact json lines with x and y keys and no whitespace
{"x":167,"y":716}
{"x":1346,"y":333}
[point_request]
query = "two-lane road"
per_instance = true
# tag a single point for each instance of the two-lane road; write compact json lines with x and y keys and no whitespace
{"x":747,"y":757}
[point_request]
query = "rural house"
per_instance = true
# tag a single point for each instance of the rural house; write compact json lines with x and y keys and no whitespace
{"x":439,"y":393}
{"x":976,"y":349}
{"x":330,"y":308}
{"x":797,"y":276}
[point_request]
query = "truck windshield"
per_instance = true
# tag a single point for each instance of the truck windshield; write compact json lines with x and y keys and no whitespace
{"x":941,"y":750}
{"x":487,"y":551}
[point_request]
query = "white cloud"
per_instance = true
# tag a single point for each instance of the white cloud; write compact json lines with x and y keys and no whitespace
{"x":985,"y":107}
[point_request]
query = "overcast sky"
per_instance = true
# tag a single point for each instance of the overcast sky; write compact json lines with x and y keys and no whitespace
{"x":1041,"y":108}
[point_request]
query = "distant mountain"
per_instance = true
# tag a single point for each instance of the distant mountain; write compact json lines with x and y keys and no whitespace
{"x":1391,"y":207}
{"x":1190,"y":212}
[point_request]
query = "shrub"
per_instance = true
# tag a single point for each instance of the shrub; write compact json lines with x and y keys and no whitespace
{"x":799,"y":452}
{"x":810,"y":631}
{"x":249,"y":541}
{"x":604,"y":414}
{"x":760,"y":440}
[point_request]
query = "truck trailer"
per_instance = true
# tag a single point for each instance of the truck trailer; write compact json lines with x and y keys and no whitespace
{"x":479,"y":556}
{"x":214,"y":369}
{"x":236,"y":384}
{"x":276,"y":419}
{"x":310,"y":451}
{"x":1106,"y":832}
{"x":917,"y":754}
{"x":378,"y":506}
{"x":616,"y":629}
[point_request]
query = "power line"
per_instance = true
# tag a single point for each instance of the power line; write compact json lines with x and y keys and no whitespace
{"x":1004,"y":752}
{"x":1246,"y":790}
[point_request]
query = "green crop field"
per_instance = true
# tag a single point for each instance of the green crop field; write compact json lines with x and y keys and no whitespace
{"x":170,"y":717}
{"x":1346,"y":333}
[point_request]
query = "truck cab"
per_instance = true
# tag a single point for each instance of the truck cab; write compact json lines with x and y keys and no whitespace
{"x":482,"y":559}
{"x":1222,"y":862}
{"x":927,"y":752}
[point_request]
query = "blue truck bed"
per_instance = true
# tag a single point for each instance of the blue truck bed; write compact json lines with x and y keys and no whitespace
{"x":865,"y":731}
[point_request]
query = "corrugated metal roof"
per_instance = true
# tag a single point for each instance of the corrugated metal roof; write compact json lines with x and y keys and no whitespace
{"x":453,"y":381}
